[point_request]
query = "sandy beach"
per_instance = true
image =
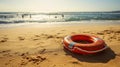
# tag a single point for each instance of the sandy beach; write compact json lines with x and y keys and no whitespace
{"x":41,"y":46}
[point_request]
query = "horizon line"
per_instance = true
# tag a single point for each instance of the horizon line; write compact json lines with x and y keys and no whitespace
{"x":60,"y":11}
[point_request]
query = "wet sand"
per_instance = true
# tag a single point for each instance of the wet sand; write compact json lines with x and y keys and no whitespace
{"x":42,"y":46}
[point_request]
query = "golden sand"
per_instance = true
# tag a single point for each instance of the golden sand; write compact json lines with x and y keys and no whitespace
{"x":42,"y":47}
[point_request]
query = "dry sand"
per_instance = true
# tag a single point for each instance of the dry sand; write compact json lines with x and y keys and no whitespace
{"x":42,"y":46}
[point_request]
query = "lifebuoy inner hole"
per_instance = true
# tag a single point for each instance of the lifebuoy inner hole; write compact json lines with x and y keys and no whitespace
{"x":82,"y":39}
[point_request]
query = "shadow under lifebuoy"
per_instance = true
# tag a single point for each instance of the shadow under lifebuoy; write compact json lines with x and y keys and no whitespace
{"x":101,"y":57}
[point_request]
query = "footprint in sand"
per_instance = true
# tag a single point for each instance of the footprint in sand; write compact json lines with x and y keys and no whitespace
{"x":55,"y":53}
{"x":75,"y":62}
{"x":59,"y":37}
{"x":117,"y":31}
{"x":7,"y":54}
{"x":36,"y":37}
{"x":3,"y":39}
{"x":43,"y":34}
{"x":50,"y":36}
{"x":21,"y":38}
{"x":35,"y":59}
{"x":42,"y":51}
{"x":7,"y":63}
{"x":24,"y":63}
{"x":110,"y":31}
{"x":59,"y":33}
{"x":100,"y":33}
{"x":5,"y":51}
{"x":24,"y":54}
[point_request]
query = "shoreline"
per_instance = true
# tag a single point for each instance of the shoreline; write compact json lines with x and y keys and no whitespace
{"x":57,"y":24}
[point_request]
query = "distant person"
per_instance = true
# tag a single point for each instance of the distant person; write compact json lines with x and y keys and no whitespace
{"x":30,"y":16}
{"x":22,"y":15}
{"x":62,"y":16}
{"x":5,"y":16}
{"x":55,"y":16}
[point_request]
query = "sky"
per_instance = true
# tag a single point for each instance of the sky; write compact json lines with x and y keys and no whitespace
{"x":58,"y":5}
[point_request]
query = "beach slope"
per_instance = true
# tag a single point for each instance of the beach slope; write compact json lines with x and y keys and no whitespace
{"x":33,"y":46}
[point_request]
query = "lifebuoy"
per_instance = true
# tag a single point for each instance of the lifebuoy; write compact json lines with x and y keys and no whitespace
{"x":94,"y":45}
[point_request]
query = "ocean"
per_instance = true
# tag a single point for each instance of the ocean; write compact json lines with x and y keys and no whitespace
{"x":30,"y":17}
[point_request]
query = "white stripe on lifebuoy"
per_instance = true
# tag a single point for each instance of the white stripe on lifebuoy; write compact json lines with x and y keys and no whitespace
{"x":92,"y":51}
{"x":66,"y":39}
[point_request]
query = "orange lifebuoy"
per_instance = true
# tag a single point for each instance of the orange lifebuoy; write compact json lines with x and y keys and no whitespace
{"x":94,"y":45}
